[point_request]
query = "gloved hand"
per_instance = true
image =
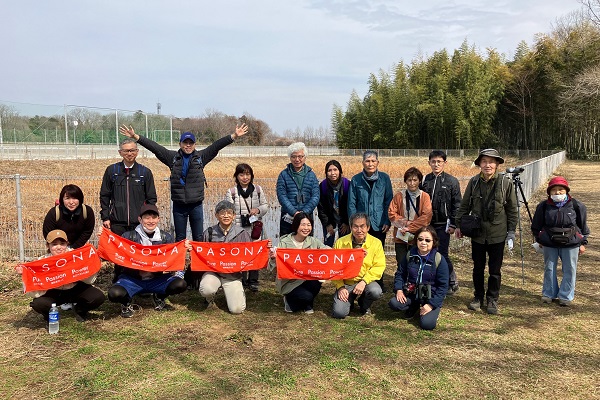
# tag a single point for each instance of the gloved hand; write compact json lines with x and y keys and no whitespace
{"x":510,"y":240}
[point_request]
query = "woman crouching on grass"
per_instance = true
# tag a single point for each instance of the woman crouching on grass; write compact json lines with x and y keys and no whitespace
{"x":421,"y":282}
{"x":82,"y":295}
{"x":298,"y":294}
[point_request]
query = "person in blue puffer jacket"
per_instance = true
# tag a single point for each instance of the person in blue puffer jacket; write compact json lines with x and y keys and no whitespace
{"x":297,"y":188}
{"x":421,"y":282}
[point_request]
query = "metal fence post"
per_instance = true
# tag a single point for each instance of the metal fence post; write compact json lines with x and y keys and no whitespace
{"x":20,"y":218}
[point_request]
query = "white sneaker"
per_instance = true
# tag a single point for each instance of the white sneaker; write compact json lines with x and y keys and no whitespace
{"x":67,"y":306}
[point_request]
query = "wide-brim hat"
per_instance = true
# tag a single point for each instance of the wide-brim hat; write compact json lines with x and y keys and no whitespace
{"x":558,"y":181}
{"x":490,"y":153}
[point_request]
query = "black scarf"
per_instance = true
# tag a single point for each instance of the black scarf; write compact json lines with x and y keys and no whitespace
{"x":247,"y":192}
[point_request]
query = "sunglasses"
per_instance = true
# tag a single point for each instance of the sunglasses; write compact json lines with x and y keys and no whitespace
{"x":424,"y":240}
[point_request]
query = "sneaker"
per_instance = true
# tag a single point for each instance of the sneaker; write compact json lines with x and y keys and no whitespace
{"x":546,"y":300}
{"x":127,"y":310}
{"x":309,"y":310}
{"x":564,"y":303}
{"x":366,"y":312}
{"x":492,"y":306}
{"x":475,"y":304}
{"x":254,"y":288}
{"x":286,"y":306}
{"x":159,"y":304}
{"x":67,"y":306}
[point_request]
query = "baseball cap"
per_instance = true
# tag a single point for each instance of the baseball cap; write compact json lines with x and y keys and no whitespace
{"x":56,"y":234}
{"x":148,"y":208}
{"x":187,"y":135}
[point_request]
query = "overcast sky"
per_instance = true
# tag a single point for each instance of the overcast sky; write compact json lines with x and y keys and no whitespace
{"x":285,"y":62}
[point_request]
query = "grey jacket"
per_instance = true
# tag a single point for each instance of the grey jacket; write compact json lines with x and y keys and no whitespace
{"x":235,"y":234}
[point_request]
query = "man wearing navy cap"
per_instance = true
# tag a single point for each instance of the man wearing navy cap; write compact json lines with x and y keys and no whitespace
{"x":187,"y":175}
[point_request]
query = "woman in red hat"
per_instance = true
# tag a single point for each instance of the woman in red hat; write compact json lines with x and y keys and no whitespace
{"x":560,"y":226}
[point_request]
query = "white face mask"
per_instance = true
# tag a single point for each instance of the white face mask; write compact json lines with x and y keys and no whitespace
{"x":557,"y":198}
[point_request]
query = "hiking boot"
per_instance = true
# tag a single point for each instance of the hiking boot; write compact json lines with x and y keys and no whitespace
{"x":286,"y":306}
{"x":475,"y":304}
{"x":80,"y":316}
{"x":159,"y":304}
{"x":546,"y":300}
{"x":492,"y":306}
{"x":127,"y":310}
{"x":253,"y":287}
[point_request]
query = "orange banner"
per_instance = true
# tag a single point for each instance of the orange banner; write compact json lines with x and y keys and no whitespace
{"x":324,"y":264}
{"x":55,"y":271}
{"x":227,"y":258}
{"x":158,"y":258}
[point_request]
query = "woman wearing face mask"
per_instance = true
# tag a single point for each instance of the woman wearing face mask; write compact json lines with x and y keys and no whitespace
{"x":421,"y":282}
{"x":409,"y":211}
{"x":333,"y":202}
{"x":560,"y":226}
{"x":298,"y":294}
{"x":71,"y":216}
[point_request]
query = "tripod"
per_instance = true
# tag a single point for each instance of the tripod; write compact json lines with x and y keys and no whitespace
{"x":519,"y":189}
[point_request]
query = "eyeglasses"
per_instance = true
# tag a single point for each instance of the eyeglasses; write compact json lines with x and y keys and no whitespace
{"x":297,"y":157}
{"x":129,"y":151}
{"x":424,"y":240}
{"x":225,"y":213}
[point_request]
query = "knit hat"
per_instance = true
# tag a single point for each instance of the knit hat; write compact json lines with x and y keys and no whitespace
{"x":490,"y":153}
{"x":558,"y":181}
{"x":56,"y":234}
{"x":224,"y":205}
{"x":187,"y":135}
{"x":148,"y":208}
{"x":337,"y":165}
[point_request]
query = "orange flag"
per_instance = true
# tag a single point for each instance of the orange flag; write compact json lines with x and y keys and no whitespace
{"x":158,"y":258}
{"x":55,"y":271}
{"x":323,"y":264}
{"x":227,"y":258}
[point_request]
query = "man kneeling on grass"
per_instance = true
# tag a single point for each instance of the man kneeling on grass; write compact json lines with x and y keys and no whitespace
{"x":132,"y":281}
{"x":225,"y":231}
{"x":364,"y":286}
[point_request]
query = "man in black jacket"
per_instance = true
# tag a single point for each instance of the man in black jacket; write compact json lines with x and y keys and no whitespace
{"x":187,"y":175}
{"x":444,"y":191}
{"x":126,"y":186}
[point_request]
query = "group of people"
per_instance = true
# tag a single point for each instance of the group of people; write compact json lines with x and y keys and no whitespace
{"x":359,"y":211}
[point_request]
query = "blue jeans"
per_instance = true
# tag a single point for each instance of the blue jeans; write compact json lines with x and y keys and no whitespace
{"x":427,"y":321}
{"x":568,"y":257}
{"x":181,"y":213}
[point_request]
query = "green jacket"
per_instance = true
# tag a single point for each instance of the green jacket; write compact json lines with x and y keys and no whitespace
{"x":284,"y":286}
{"x":504,"y":205}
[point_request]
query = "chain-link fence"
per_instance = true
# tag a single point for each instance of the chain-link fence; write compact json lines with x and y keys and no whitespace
{"x":26,"y":200}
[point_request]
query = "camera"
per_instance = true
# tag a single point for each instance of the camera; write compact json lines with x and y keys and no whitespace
{"x":515,"y":170}
{"x":245,"y":220}
{"x":424,"y":292}
{"x":409,"y":288}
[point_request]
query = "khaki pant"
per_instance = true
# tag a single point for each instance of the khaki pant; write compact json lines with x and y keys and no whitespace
{"x":233,"y":289}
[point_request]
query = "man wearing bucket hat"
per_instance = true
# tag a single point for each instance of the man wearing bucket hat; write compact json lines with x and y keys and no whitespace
{"x":490,"y":199}
{"x":560,"y":225}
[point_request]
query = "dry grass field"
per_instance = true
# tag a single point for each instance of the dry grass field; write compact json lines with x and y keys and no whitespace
{"x":528,"y":351}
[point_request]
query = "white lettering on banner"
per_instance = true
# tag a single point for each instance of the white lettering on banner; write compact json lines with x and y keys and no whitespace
{"x":159,"y":265}
{"x":61,"y":262}
{"x":55,"y":278}
{"x":80,"y":271}
{"x":227,"y":264}
{"x":119,"y":257}
{"x":233,"y":251}
{"x":323,"y":259}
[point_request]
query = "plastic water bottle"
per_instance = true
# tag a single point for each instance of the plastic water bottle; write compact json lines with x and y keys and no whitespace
{"x":53,"y":319}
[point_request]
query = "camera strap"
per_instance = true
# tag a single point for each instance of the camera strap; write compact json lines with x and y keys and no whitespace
{"x":486,"y":212}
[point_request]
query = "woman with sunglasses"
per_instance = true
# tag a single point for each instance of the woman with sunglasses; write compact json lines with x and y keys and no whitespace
{"x":421,"y":282}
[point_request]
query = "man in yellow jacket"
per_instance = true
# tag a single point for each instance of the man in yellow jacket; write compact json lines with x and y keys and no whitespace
{"x":364,"y":285}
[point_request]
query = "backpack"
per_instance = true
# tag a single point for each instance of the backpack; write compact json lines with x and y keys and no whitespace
{"x":84,"y":213}
{"x":324,"y":187}
{"x":116,"y":170}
